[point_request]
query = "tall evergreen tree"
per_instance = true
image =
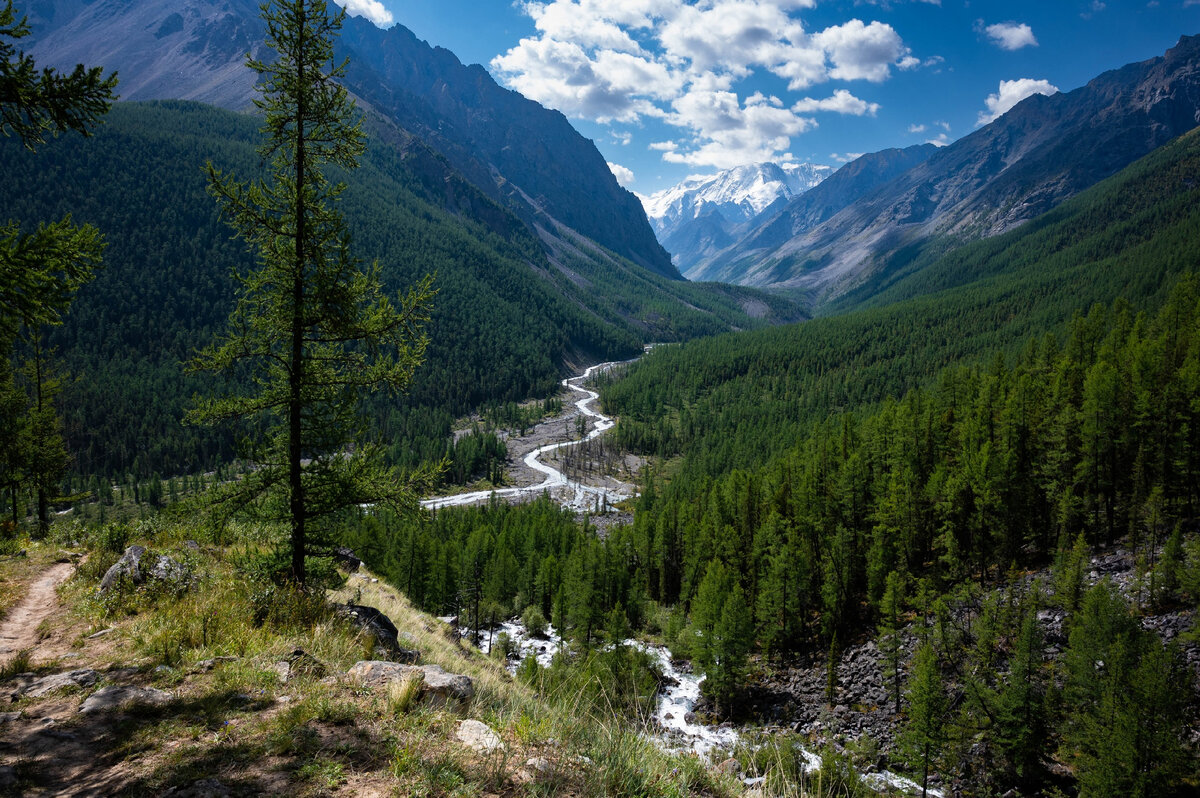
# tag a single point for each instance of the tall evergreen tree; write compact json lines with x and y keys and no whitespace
{"x":311,"y":327}
{"x":924,"y":732}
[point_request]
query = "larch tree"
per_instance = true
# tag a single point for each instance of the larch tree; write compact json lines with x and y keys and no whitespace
{"x":312,"y":329}
{"x":40,"y":269}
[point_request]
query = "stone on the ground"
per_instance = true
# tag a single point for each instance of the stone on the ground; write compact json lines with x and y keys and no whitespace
{"x":34,"y":688}
{"x":283,"y":670}
{"x":206,"y":665}
{"x":128,"y":567}
{"x":448,"y":685}
{"x":379,"y":673}
{"x":134,"y":567}
{"x":437,"y":684}
{"x":115,"y":696}
{"x":375,"y":623}
{"x":479,"y":737}
{"x":301,"y":662}
{"x":345,"y":557}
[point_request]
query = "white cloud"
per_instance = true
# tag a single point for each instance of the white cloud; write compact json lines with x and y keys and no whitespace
{"x":845,"y":157}
{"x":681,"y":61}
{"x":623,"y":174}
{"x":842,"y":102}
{"x":862,"y":52}
{"x":916,"y":128}
{"x":942,"y":140}
{"x":368,"y":9}
{"x":1011,"y":35}
{"x":1010,"y":93}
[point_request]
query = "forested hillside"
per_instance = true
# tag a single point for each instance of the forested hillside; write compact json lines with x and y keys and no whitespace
{"x":507,"y":321}
{"x":736,"y":401}
{"x":914,"y":509}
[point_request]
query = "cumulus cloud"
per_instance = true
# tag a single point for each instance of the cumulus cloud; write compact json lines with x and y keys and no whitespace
{"x":845,"y":157}
{"x":916,"y":128}
{"x":842,"y":102}
{"x":861,"y":52}
{"x":623,"y":174}
{"x":679,"y":61}
{"x":1010,"y":35}
{"x":1010,"y":93}
{"x":941,"y":140}
{"x":368,"y":9}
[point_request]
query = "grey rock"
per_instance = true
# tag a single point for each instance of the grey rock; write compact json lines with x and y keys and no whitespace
{"x":479,"y":737}
{"x":206,"y":665}
{"x":437,"y":683}
{"x":450,"y":685}
{"x":387,"y":637}
{"x":36,"y":688}
{"x":114,"y":696}
{"x":128,"y":567}
{"x":301,"y":662}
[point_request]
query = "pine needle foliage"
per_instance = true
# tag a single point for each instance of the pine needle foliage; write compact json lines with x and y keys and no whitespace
{"x":312,"y":330}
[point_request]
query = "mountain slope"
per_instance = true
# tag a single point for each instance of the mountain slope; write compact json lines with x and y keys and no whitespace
{"x":804,"y":212}
{"x":1043,"y":151}
{"x":508,"y":318}
{"x":517,"y":152}
{"x":707,"y":213}
{"x":749,"y":397}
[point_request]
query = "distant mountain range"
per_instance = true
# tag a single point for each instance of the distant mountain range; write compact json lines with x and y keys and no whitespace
{"x":872,"y":219}
{"x":517,"y":152}
{"x":704,"y":214}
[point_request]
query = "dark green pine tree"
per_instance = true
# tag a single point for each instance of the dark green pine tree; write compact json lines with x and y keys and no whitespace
{"x":891,"y":643}
{"x":1020,"y":724}
{"x":40,"y":270}
{"x":312,"y":328}
{"x":924,"y":731}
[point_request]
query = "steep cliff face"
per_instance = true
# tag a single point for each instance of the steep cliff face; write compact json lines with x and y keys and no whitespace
{"x":514,"y":150}
{"x":1043,"y":151}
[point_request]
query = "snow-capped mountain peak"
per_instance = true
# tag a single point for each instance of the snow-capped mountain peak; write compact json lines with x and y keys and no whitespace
{"x":737,"y":194}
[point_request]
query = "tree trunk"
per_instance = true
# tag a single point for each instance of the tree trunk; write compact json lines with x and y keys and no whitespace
{"x":296,"y":375}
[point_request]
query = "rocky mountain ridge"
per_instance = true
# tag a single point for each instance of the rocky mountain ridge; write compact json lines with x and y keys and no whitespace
{"x":1043,"y":151}
{"x":524,"y":156}
{"x":706,"y":213}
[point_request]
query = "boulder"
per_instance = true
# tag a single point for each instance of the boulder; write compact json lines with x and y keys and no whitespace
{"x":379,"y":626}
{"x":379,"y":673}
{"x":346,"y":558}
{"x":114,"y":696}
{"x":35,"y":688}
{"x":479,"y":737}
{"x":437,"y":684}
{"x":447,"y":685}
{"x":128,"y":567}
{"x":135,"y":567}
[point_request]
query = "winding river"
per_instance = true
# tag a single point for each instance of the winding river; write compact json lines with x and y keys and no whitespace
{"x":677,"y":728}
{"x":574,"y":495}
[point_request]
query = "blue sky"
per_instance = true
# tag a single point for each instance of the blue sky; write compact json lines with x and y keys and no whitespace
{"x":670,"y":88}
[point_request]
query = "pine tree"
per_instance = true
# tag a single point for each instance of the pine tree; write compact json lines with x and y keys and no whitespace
{"x":890,"y":641}
{"x":39,"y":271}
{"x":924,"y":731}
{"x":311,"y":327}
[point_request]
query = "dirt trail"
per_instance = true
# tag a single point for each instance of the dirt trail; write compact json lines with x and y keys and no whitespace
{"x":19,"y":630}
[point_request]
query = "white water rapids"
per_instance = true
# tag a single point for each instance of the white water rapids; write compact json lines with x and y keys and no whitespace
{"x":678,"y":730}
{"x":574,"y":495}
